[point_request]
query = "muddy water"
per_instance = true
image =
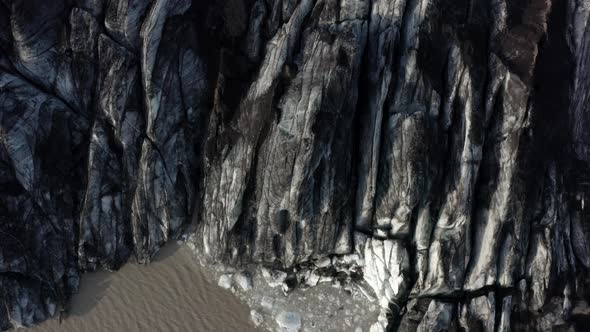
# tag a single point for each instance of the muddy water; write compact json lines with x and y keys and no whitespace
{"x":170,"y":294}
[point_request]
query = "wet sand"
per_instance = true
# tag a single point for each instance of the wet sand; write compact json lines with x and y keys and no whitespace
{"x":169,"y":294}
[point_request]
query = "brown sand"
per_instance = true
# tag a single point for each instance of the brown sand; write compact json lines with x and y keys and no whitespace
{"x":170,"y":294}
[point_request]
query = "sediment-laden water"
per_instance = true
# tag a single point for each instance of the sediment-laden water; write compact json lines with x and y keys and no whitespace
{"x":169,"y":294}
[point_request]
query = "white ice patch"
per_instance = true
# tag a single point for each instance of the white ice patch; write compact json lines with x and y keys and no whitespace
{"x":385,"y":263}
{"x":256,"y":318}
{"x":225,"y":281}
{"x":289,"y":321}
{"x":274,"y":278}
{"x":243,"y":280}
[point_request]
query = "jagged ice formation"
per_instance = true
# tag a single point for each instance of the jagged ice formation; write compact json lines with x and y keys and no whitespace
{"x":441,"y":145}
